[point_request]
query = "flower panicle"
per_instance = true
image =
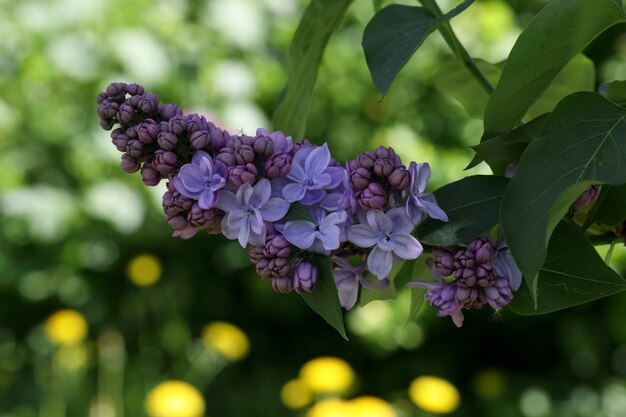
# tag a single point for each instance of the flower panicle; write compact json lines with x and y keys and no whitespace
{"x":245,"y":186}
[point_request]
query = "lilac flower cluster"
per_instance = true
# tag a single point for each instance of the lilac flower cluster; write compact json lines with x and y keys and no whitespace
{"x":284,"y":201}
{"x":482,"y":273}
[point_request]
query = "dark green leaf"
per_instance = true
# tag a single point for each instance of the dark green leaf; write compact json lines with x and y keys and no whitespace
{"x":581,"y":143}
{"x":394,"y":34}
{"x":573,"y":274}
{"x":472,"y":205}
{"x":324,"y":299}
{"x":400,"y":274}
{"x":557,"y":33}
{"x":420,"y":272}
{"x":298,"y":212}
{"x":500,"y":151}
{"x":319,"y":21}
{"x":610,"y":209}
{"x":614,"y":91}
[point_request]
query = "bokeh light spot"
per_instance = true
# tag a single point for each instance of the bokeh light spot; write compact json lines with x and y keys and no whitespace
{"x":144,"y":270}
{"x":66,"y":327}
{"x":174,"y":399}
{"x":296,"y":394}
{"x":226,"y":339}
{"x":434,"y":394}
{"x":327,"y":374}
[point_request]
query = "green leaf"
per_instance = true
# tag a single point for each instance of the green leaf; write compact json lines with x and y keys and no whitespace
{"x":501,"y":150}
{"x":319,"y":21}
{"x":472,"y":205}
{"x":324,"y":299}
{"x":614,"y":91}
{"x":298,"y":211}
{"x":420,"y":272}
{"x":610,"y":209}
{"x":573,"y":274}
{"x":400,"y":274}
{"x":394,"y":34}
{"x":581,"y":143}
{"x":557,"y":33}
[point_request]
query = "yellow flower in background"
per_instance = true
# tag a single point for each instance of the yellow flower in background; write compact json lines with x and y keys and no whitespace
{"x":296,"y":394}
{"x":327,"y":374}
{"x":367,"y":406}
{"x":332,"y":407}
{"x":144,"y":270}
{"x":174,"y":399}
{"x":226,"y":339}
{"x":434,"y":394}
{"x":66,"y":327}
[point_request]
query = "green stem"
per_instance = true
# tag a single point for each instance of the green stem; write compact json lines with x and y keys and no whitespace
{"x":457,"y":47}
{"x":607,"y":258}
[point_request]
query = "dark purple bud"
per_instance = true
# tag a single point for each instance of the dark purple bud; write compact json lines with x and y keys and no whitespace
{"x":116,"y":89}
{"x":373,"y":197}
{"x":587,"y":198}
{"x":135,"y":89}
{"x":164,"y":161}
{"x":167,"y":141}
{"x":120,"y":140}
{"x":125,"y":115}
{"x":277,"y":165}
{"x":263,"y":146}
{"x":148,"y":131}
{"x":101,"y":97}
{"x":256,"y":253}
{"x":360,"y":178}
{"x":149,"y":175}
{"x":135,"y":148}
{"x":198,"y":217}
{"x":178,"y":125}
{"x":169,"y":110}
{"x":227,"y":156}
{"x":148,"y":104}
{"x":195,"y":123}
{"x":399,"y":178}
{"x":482,"y":249}
{"x":499,"y":294}
{"x":132,"y":133}
{"x":129,"y":164}
{"x":279,"y":267}
{"x":304,"y":277}
{"x":366,"y":160}
{"x":244,"y":154}
{"x":383,"y":167}
{"x":242,"y":174}
{"x":178,"y":222}
{"x":304,"y":143}
{"x":218,"y":137}
{"x":199,"y":140}
{"x":467,"y":297}
{"x":108,"y":109}
{"x":277,"y":246}
{"x":388,"y":153}
{"x":282,"y":285}
{"x":444,"y":259}
{"x":263,"y":269}
{"x":106,"y":124}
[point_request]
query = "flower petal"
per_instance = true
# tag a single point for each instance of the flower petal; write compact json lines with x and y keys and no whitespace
{"x":260,"y":193}
{"x":294,"y":192}
{"x":193,"y":178}
{"x":414,"y":210}
{"x":379,"y":221}
{"x":329,"y":235}
{"x":433,"y":210}
{"x":363,"y":236}
{"x":227,"y":201}
{"x":207,"y":199}
{"x":379,"y":262}
{"x":401,"y":222}
{"x":313,"y":197}
{"x":299,"y":158}
{"x":420,"y":174}
{"x":405,"y":246}
{"x":274,"y":209}
{"x":317,"y":161}
{"x":336,"y":175}
{"x":300,"y":233}
{"x":244,"y":192}
{"x":198,"y":156}
{"x":244,"y":232}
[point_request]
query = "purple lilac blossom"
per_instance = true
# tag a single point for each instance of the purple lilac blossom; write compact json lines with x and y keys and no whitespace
{"x":321,"y":235}
{"x":388,"y":234}
{"x":311,"y":175}
{"x":201,"y":179}
{"x":248,"y":209}
{"x":419,"y":203}
{"x":505,"y":265}
{"x":348,"y":278}
{"x":304,"y":277}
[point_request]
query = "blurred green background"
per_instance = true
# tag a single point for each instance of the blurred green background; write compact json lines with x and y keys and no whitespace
{"x":77,"y":233}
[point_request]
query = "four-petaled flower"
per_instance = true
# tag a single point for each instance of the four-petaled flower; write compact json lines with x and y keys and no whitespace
{"x":389,"y":234}
{"x":418,"y":202}
{"x":347,"y":280}
{"x":201,"y":179}
{"x":321,"y":235}
{"x":311,"y":176}
{"x":248,"y":210}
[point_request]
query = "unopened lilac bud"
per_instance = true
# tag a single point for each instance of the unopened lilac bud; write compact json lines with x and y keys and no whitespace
{"x":120,"y":140}
{"x":227,"y":156}
{"x":135,"y":148}
{"x":199,"y":140}
{"x":499,"y":294}
{"x":466,"y":296}
{"x":485,"y":275}
{"x":167,"y":141}
{"x":256,"y":253}
{"x":108,"y":109}
{"x":101,"y":97}
{"x":218,"y":137}
{"x":263,"y":268}
{"x":399,"y":178}
{"x":304,"y":277}
{"x":263,"y":146}
{"x":178,"y":222}
{"x":149,"y":175}
{"x":106,"y":124}
{"x":244,"y":154}
{"x":178,"y":125}
{"x":304,"y":143}
{"x":148,"y":131}
{"x":444,"y":259}
{"x":148,"y":104}
{"x":373,"y":197}
{"x":279,"y":267}
{"x":366,"y":159}
{"x":125,"y":115}
{"x":198,"y":217}
{"x":360,"y":178}
{"x":388,"y":153}
{"x":482,"y":249}
{"x":383,"y":167}
{"x":164,"y":161}
{"x":242,"y":174}
{"x":277,"y":165}
{"x":277,"y":247}
{"x":282,"y":285}
{"x":135,"y":89}
{"x":129,"y":164}
{"x":116,"y":89}
{"x":169,"y":110}
{"x":587,"y":198}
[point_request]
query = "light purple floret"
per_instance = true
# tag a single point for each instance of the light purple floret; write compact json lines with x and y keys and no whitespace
{"x":347,"y":280}
{"x":419,"y":203}
{"x":310,"y":176}
{"x":321,"y":235}
{"x":389,"y":235}
{"x":505,"y":265}
{"x":248,"y":210}
{"x":201,"y":179}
